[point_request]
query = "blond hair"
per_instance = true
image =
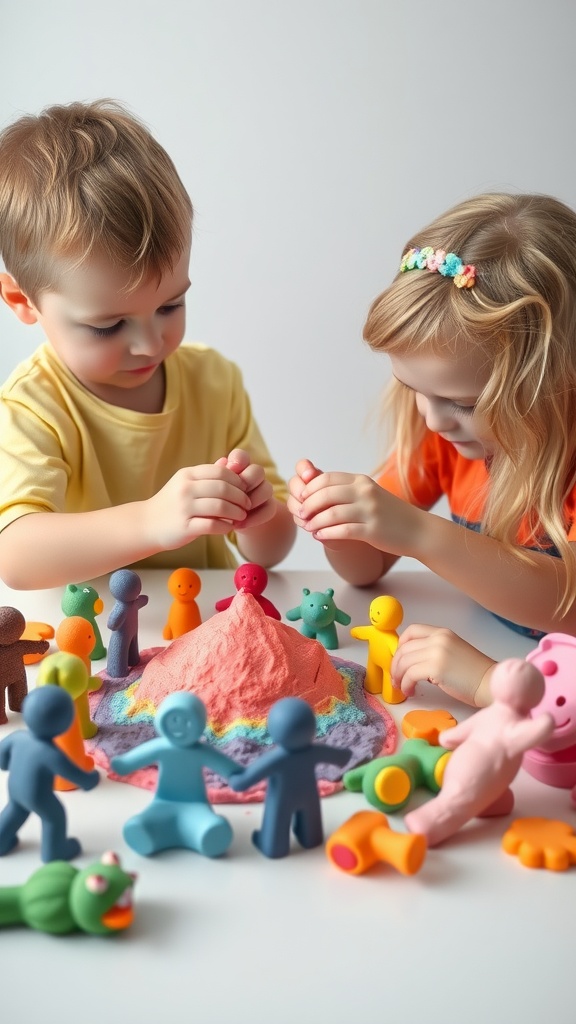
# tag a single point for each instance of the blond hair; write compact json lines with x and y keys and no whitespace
{"x":521,"y":316}
{"x":82,"y":179}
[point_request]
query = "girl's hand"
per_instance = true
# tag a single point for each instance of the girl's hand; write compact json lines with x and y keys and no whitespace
{"x":440,"y":657}
{"x":196,"y":501}
{"x":347,"y":506}
{"x":305,"y":472}
{"x":258,"y":488}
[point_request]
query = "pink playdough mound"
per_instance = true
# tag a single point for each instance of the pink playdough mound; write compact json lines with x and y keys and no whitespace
{"x":239,"y":663}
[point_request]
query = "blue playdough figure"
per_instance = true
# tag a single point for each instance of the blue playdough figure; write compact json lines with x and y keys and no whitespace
{"x":180,"y":814}
{"x":292,"y":790}
{"x":125,"y":585}
{"x":318,"y":612}
{"x":33,"y":760}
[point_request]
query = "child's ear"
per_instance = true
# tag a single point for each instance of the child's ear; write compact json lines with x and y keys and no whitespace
{"x":14,"y":297}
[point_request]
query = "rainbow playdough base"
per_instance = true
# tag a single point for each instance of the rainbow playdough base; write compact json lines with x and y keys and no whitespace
{"x":240,"y":662}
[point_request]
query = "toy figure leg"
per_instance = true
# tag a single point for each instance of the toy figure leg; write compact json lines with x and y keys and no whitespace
{"x":273,"y":839}
{"x":11,"y":820}
{"x":17,"y":691}
{"x":328,"y":637}
{"x":152,"y":830}
{"x":55,"y":844}
{"x":133,"y":652}
{"x":373,"y":680}
{"x":308,"y":826}
{"x":117,"y":664}
{"x":503,"y":805}
{"x":202,"y":830}
{"x":391,"y":694}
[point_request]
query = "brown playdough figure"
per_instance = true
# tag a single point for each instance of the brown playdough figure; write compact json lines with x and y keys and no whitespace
{"x":13,"y":683}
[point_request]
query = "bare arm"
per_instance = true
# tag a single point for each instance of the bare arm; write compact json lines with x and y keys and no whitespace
{"x":48,"y":549}
{"x":341,"y":506}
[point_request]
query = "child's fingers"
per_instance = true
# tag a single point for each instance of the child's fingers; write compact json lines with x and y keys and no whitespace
{"x":238,"y":460}
{"x":306,"y":470}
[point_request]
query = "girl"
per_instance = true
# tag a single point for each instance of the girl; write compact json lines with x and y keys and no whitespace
{"x":480,"y":328}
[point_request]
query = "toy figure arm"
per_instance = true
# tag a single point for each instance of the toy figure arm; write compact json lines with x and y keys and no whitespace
{"x":531,"y":732}
{"x":452,"y":738}
{"x":5,"y":751}
{"x":342,"y":617}
{"x":223,"y":603}
{"x":139,"y":757}
{"x":293,"y":614}
{"x":219,"y":762}
{"x":255,"y":772}
{"x":269,"y":608}
{"x":142,"y":600}
{"x":60,"y":764}
{"x":361,"y":632}
{"x":117,"y":617}
{"x":326,"y":754}
{"x":33,"y":646}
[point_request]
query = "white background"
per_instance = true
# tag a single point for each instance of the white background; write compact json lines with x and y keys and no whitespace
{"x":314,"y":136}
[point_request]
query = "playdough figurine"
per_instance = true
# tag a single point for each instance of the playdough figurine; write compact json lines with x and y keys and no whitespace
{"x":292,"y":791}
{"x":13,"y":682}
{"x":180,"y":814}
{"x":318,"y":612}
{"x":33,"y":760}
{"x":252,"y":579}
{"x":125,"y":586}
{"x":487,"y":753}
{"x":388,"y":782}
{"x":385,"y":617}
{"x":68,"y":671}
{"x":184,"y":615}
{"x":554,"y":762}
{"x":82,"y":599}
{"x":75,"y":635}
{"x":59,"y":899}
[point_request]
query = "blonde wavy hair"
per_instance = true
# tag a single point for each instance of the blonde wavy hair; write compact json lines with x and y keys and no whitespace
{"x":521,"y":315}
{"x":82,"y":179}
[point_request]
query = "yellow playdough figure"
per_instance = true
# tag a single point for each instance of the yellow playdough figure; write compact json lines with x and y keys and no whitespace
{"x":385,"y":616}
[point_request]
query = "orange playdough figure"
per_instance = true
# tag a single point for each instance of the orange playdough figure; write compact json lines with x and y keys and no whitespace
{"x":385,"y":616}
{"x":427,"y":725}
{"x":184,"y":614}
{"x":69,"y":672}
{"x":75,"y":635}
{"x":13,"y":680}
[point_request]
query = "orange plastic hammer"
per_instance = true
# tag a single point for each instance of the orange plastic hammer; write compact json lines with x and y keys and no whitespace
{"x":366,"y":838}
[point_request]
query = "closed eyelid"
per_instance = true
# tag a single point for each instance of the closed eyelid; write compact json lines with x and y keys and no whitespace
{"x":460,"y":403}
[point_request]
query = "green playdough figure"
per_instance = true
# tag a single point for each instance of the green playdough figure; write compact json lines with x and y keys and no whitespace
{"x":58,"y":898}
{"x":319,"y":614}
{"x":83,"y":600}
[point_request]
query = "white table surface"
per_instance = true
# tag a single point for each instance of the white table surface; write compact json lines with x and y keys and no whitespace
{"x":474,"y":937}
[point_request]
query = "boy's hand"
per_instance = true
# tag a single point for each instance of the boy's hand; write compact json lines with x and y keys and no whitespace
{"x":258,"y":489}
{"x":196,"y":501}
{"x":443,"y":658}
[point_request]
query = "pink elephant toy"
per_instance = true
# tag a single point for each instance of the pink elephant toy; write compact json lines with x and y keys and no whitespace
{"x":554,"y":762}
{"x":487,"y":753}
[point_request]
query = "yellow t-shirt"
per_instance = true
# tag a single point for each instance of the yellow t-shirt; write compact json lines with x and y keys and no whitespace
{"x":64,"y":450}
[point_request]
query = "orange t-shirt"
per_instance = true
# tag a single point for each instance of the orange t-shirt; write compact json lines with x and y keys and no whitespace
{"x":437,"y":469}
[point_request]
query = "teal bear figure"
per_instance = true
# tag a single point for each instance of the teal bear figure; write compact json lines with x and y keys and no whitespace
{"x":81,"y":599}
{"x":319,"y":614}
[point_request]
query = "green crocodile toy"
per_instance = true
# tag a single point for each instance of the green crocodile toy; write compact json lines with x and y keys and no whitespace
{"x":59,"y":898}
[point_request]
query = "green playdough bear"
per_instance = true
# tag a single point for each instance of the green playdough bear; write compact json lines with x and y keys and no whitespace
{"x":81,"y":599}
{"x":319,"y":614}
{"x":58,"y":898}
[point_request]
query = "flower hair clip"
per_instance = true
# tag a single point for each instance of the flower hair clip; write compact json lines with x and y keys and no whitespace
{"x":438,"y":261}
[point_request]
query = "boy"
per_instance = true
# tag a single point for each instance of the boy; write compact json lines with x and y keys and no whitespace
{"x":117,"y":446}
